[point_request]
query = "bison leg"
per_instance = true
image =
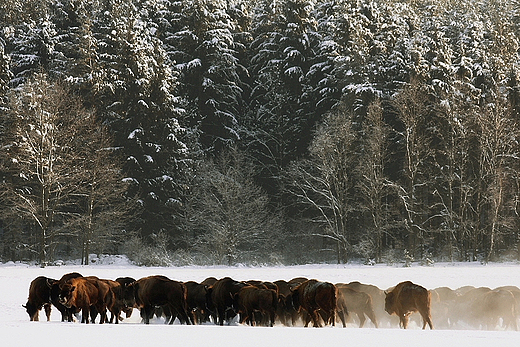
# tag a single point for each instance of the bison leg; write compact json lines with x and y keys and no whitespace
{"x":242,"y":317}
{"x":272,"y":316}
{"x":64,"y":314}
{"x":427,"y":319}
{"x":103,"y":316}
{"x":361,"y":316}
{"x":371,"y":314}
{"x":184,"y":318}
{"x":341,"y":315}
{"x":47,"y":308}
{"x":194,"y":316}
{"x":146,"y":313}
{"x":315,"y":319}
{"x":306,"y":319}
{"x":221,"y":316}
{"x":85,"y":311}
{"x":404,"y":320}
{"x":115,"y":314}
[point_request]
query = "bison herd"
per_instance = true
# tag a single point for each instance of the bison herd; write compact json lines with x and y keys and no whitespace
{"x":299,"y":301}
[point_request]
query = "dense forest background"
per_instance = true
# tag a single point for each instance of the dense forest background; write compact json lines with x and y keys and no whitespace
{"x":263,"y":131}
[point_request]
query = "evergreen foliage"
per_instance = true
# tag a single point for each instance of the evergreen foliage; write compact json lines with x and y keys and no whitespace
{"x":364,"y":128}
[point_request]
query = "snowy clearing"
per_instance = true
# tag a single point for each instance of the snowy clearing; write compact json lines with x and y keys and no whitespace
{"x":17,"y":330}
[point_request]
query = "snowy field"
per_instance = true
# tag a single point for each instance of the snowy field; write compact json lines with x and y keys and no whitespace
{"x":17,"y":330}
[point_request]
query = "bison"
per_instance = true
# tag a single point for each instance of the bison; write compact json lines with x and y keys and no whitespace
{"x":494,"y":306}
{"x":196,"y":300}
{"x":406,"y":298}
{"x":220,"y":299}
{"x":66,"y":313}
{"x":357,"y":302}
{"x":285,"y":311}
{"x":378,"y":302}
{"x":85,"y":294}
{"x":39,"y":297}
{"x":114,"y":300}
{"x":484,"y":308}
{"x":313,"y":296}
{"x":443,"y":300}
{"x":124,"y":282}
{"x":251,"y":300}
{"x":158,"y":291}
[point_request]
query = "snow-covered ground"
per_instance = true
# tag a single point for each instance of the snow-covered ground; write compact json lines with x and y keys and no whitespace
{"x":17,"y":330}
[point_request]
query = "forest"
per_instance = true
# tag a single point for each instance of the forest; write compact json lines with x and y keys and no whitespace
{"x":260,"y":131}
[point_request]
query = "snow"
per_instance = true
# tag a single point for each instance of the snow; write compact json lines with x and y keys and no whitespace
{"x":19,"y":331}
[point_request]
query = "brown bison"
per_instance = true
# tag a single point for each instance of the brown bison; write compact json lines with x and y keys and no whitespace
{"x":378,"y":302}
{"x":443,"y":300}
{"x":220,"y":299}
{"x":358,"y":302}
{"x":39,"y":297}
{"x":484,"y":308}
{"x":313,"y":296}
{"x":87,"y":294}
{"x":114,"y":300}
{"x":158,"y":291}
{"x":407,"y":298}
{"x":461,"y":309}
{"x":494,"y":306}
{"x":252,"y":300}
{"x":66,"y":313}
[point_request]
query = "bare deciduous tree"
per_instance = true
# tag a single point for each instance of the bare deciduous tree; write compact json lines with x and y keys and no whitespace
{"x":412,"y":107}
{"x":101,"y":206}
{"x":230,"y":211}
{"x":38,"y":151}
{"x":455,"y":186}
{"x":373,"y":183}
{"x":59,"y":173}
{"x":322,"y":182}
{"x":498,"y":142}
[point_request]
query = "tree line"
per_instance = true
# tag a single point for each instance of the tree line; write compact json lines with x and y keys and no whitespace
{"x":293,"y":131}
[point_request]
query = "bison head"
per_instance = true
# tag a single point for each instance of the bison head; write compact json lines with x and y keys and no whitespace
{"x":65,"y":294}
{"x":390,"y":302}
{"x":129,"y":292}
{"x":32,"y":310}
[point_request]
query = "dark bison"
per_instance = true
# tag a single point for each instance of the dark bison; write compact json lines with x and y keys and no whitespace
{"x":209,"y":281}
{"x":196,"y":301}
{"x":251,"y":300}
{"x":295,"y":282}
{"x":220,"y":299}
{"x":39,"y":297}
{"x":285,"y":311}
{"x":87,"y":294}
{"x":124,"y":282}
{"x":158,"y":291}
{"x":358,"y":302}
{"x":406,"y":298}
{"x":316,"y":297}
{"x":66,"y":313}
